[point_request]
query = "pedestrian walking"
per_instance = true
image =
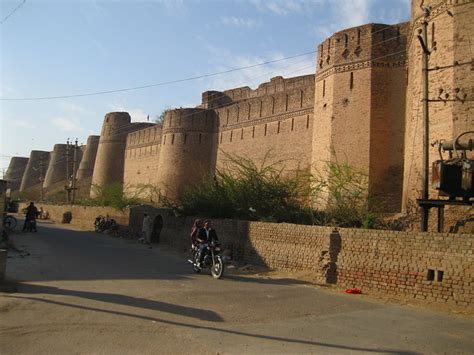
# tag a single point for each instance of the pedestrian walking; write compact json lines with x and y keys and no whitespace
{"x":146,"y":228}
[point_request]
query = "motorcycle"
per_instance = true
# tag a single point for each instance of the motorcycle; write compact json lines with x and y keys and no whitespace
{"x":30,"y":224}
{"x":210,"y":260}
{"x":9,"y":222}
{"x":102,"y":224}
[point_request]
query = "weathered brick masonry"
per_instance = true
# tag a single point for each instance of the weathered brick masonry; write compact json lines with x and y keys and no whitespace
{"x":428,"y":266}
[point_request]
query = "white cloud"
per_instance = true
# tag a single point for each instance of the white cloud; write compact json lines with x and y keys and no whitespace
{"x":6,"y":91}
{"x":22,"y":124}
{"x":68,"y":124}
{"x":254,"y":76}
{"x":285,"y":7}
{"x":72,"y":107}
{"x":233,"y":21}
{"x":353,"y":12}
{"x":137,"y":114}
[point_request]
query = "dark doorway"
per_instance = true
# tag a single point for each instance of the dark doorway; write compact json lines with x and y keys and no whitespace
{"x":157,"y":227}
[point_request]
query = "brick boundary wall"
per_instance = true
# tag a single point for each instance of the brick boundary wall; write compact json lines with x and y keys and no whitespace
{"x":83,"y":217}
{"x":428,"y":266}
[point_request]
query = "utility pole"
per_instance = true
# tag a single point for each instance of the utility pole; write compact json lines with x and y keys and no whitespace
{"x":423,"y":38}
{"x":41,"y":178}
{"x":67,"y":172}
{"x":74,"y":173}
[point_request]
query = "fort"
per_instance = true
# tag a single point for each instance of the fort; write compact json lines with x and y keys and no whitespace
{"x":362,"y":106}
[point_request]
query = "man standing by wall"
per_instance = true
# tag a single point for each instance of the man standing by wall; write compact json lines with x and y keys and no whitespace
{"x":146,"y":228}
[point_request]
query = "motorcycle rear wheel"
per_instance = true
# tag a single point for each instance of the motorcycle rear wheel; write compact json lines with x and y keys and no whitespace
{"x":9,"y":222}
{"x":217,"y":270}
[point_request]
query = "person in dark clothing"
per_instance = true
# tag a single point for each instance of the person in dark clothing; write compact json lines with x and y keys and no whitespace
{"x":205,"y":236}
{"x":30,"y":218}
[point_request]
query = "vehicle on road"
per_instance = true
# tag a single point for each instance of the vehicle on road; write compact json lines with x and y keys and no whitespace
{"x":9,"y":222}
{"x":210,"y":260}
{"x":102,"y":224}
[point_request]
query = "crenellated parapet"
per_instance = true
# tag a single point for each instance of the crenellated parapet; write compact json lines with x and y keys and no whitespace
{"x":291,"y":97}
{"x":367,"y":46}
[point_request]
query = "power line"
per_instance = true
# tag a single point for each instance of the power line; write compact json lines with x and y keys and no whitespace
{"x":186,"y":79}
{"x":12,"y":12}
{"x":156,"y":84}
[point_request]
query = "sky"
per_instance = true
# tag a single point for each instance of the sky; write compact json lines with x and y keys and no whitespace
{"x":74,"y":47}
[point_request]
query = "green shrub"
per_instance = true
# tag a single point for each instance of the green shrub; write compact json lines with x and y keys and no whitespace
{"x":244,"y":190}
{"x":113,"y":195}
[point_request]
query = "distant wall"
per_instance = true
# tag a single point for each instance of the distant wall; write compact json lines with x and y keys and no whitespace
{"x":86,"y":167}
{"x":15,"y":172}
{"x":37,"y":166}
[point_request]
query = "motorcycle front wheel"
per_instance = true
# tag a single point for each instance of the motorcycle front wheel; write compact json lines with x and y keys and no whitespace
{"x":217,"y":270}
{"x":196,"y":269}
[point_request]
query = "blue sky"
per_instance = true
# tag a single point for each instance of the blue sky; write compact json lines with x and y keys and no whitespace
{"x":66,"y":47}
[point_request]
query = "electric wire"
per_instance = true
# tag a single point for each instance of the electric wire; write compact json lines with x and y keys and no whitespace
{"x":185,"y":79}
{"x":157,"y":84}
{"x":12,"y":12}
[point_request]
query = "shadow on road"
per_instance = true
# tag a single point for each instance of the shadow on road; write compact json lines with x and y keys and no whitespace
{"x":265,"y":281}
{"x":125,"y":300}
{"x":221,"y":330}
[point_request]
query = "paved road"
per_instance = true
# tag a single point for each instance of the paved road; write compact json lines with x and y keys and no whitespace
{"x":88,"y":293}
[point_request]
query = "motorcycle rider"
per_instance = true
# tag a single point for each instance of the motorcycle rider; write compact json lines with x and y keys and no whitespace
{"x":30,"y":218}
{"x":205,"y":236}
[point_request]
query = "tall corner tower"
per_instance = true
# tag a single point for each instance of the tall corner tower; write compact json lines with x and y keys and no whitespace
{"x":188,"y":149}
{"x":359,"y":106}
{"x":451,"y":83}
{"x":86,"y":167}
{"x":15,"y":172}
{"x":109,"y":162}
{"x":35,"y":169}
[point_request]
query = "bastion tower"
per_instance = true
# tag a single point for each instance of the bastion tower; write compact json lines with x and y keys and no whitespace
{"x":451,"y":83}
{"x":86,"y":167}
{"x":188,"y":149}
{"x":35,"y":169}
{"x":57,"y":168}
{"x":109,"y":163}
{"x":359,"y":106}
{"x":15,"y":172}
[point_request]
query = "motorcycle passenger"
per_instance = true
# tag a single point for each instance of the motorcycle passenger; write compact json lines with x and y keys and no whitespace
{"x":205,"y":236}
{"x":197,"y":225}
{"x":30,"y":218}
